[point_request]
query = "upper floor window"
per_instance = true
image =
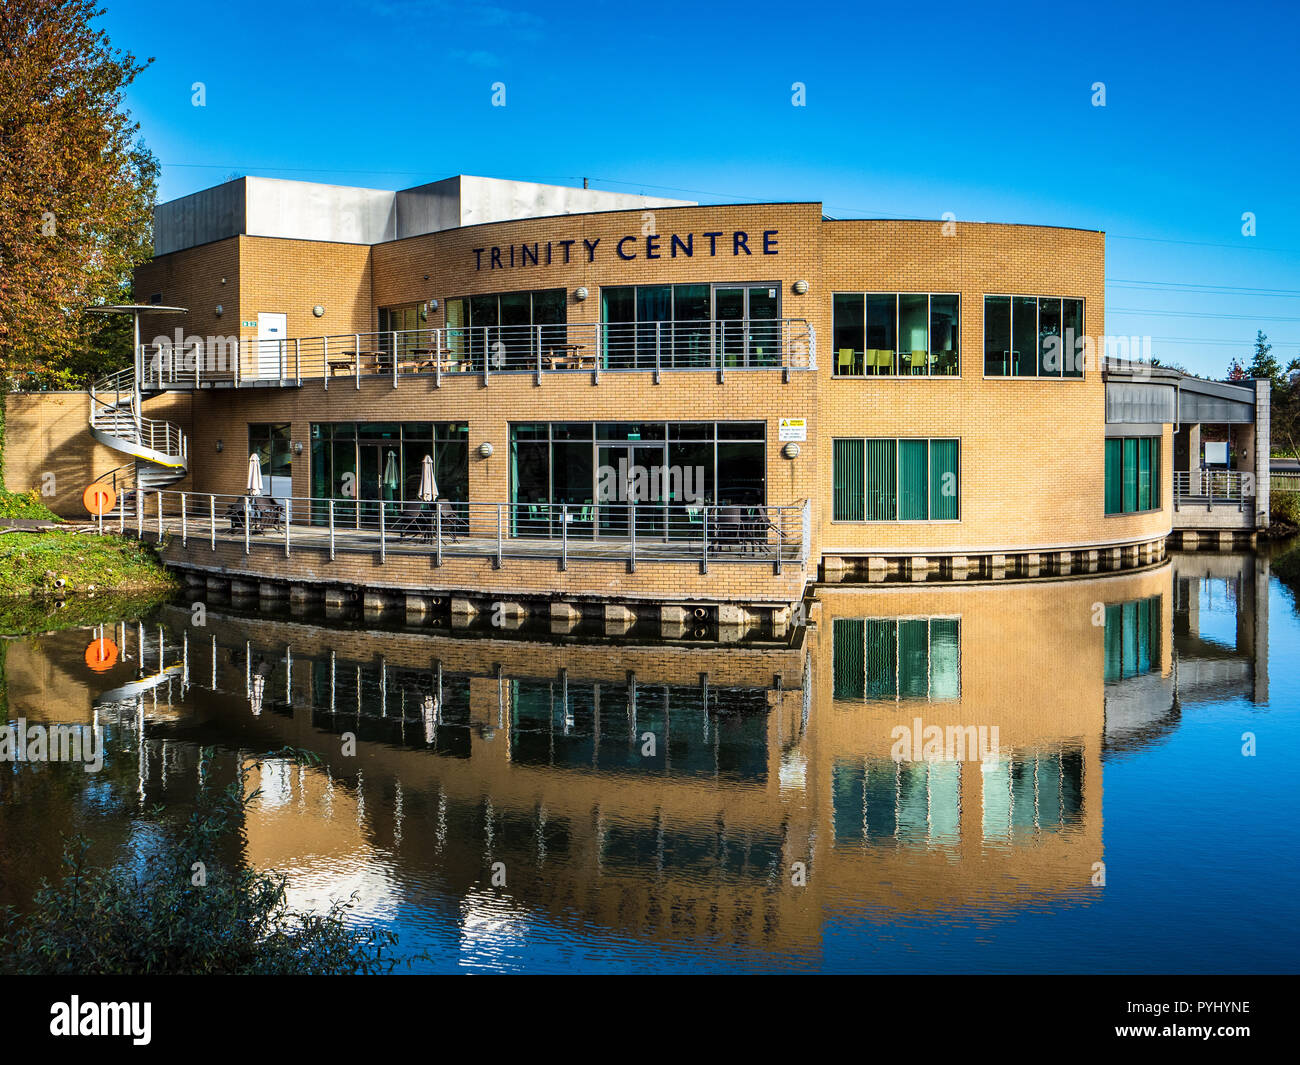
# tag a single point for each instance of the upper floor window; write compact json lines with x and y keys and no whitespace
{"x":1033,"y":336}
{"x":499,"y":325}
{"x":903,"y":333}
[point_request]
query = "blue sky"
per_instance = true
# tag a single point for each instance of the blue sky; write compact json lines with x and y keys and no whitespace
{"x":984,"y":110}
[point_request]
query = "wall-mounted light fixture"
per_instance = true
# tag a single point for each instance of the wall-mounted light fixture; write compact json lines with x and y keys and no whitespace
{"x":317,"y":311}
{"x":220,"y":445}
{"x":433,"y":304}
{"x":485,"y":450}
{"x":580,"y":294}
{"x":791,"y":450}
{"x":801,"y":288}
{"x":297,"y":447}
{"x":220,"y":310}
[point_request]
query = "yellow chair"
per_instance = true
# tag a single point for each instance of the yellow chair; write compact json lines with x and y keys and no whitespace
{"x":844,"y":361}
{"x":918,"y":361}
{"x":884,"y":361}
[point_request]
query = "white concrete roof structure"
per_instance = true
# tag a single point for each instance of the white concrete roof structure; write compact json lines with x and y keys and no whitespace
{"x":307,"y":210}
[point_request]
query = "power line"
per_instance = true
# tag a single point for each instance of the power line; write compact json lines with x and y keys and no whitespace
{"x":1200,"y":314}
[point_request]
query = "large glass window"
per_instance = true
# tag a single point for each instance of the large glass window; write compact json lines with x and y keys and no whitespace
{"x":605,"y":473}
{"x":1132,"y":639}
{"x":500,"y":327}
{"x":1035,"y":792}
{"x":895,"y":333}
{"x":896,"y":658}
{"x":1033,"y":336}
{"x":696,"y":325}
{"x":1132,"y":474}
{"x":270,"y":443}
{"x":895,"y":480}
{"x":358,"y":464}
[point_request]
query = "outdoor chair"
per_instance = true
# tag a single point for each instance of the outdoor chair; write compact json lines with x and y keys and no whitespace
{"x":415,"y":520}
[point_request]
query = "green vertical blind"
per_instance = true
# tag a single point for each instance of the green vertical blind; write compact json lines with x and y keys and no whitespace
{"x":895,"y":480}
{"x":1132,"y":639}
{"x":896,"y":658}
{"x":1132,"y":474}
{"x":847,"y":498}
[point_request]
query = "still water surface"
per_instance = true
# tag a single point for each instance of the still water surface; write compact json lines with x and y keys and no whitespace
{"x":668,"y":808}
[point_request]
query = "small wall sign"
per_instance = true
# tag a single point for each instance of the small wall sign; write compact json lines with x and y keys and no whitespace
{"x":793,"y":429}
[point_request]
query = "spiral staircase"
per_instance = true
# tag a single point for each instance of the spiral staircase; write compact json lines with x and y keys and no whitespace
{"x":159,"y":449}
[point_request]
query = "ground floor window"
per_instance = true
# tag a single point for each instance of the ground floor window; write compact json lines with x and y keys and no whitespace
{"x":658,"y":475}
{"x":894,"y":480}
{"x":896,"y":658}
{"x":880,"y":801}
{"x":1032,"y":793}
{"x":360,"y":463}
{"x":271,"y":444}
{"x":1132,"y":639}
{"x":1132,"y":474}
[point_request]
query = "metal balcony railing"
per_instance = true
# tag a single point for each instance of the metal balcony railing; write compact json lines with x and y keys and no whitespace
{"x":591,"y":347}
{"x":562,"y":532}
{"x":1209,"y":488}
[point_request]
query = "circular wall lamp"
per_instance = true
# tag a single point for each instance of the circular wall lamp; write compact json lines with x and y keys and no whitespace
{"x":801,"y":288}
{"x":317,"y":311}
{"x":791,"y":450}
{"x":433,"y":304}
{"x":580,"y":294}
{"x":220,"y":445}
{"x":220,"y":310}
{"x":485,"y":450}
{"x":297,"y":447}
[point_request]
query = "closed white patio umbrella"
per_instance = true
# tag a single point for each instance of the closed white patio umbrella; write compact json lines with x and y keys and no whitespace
{"x":254,"y":476}
{"x":390,"y":472}
{"x":428,"y":486}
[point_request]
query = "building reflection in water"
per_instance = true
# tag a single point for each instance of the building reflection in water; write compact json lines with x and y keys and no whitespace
{"x":701,"y":795}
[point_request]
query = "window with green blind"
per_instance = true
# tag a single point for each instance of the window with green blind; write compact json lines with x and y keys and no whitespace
{"x":1132,"y":474}
{"x":896,"y":658}
{"x":895,"y":480}
{"x":1132,"y":639}
{"x":881,"y":480}
{"x":847,"y":497}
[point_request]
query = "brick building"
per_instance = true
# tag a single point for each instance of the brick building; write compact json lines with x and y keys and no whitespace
{"x":886,"y":399}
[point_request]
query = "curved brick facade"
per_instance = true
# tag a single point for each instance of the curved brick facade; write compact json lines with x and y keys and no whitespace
{"x":1031,"y":450}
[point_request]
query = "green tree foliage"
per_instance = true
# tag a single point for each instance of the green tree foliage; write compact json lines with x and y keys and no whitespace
{"x":151,"y":916}
{"x":77,"y":189}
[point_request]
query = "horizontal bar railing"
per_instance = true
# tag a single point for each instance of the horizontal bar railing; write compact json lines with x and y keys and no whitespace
{"x":593,"y":347}
{"x":643,"y":532}
{"x":1211,"y":487}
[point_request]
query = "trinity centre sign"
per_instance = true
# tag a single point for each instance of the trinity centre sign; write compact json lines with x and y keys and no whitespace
{"x":711,"y":245}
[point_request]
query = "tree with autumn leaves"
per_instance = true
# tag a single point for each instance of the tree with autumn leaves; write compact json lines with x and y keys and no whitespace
{"x":77,"y":189}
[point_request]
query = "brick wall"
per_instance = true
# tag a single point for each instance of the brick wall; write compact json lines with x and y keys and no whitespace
{"x":1032,"y":474}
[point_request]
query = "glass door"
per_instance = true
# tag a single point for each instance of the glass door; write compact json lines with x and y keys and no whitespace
{"x":379,"y":477}
{"x":764,"y":341}
{"x":629,"y":485}
{"x":748,"y":333}
{"x":729,"y":316}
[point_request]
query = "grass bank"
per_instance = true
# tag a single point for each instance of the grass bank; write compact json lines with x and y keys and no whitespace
{"x":25,"y":505}
{"x":61,"y":564}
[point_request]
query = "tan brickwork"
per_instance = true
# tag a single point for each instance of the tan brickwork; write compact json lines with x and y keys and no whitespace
{"x":1031,"y":460}
{"x":48,"y":442}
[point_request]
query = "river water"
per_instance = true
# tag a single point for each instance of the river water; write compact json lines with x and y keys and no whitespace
{"x":1072,"y":776}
